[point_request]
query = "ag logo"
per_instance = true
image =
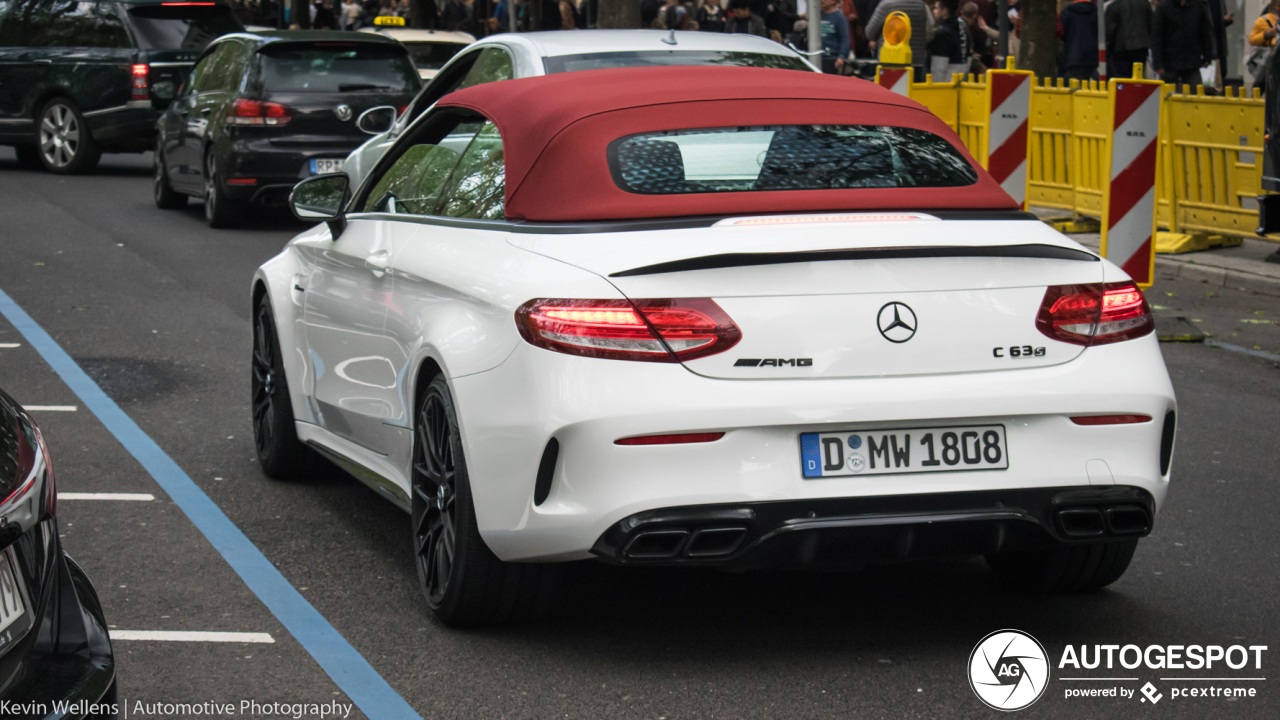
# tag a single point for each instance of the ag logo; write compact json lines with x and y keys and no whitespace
{"x":1008,"y":670}
{"x":897,"y":322}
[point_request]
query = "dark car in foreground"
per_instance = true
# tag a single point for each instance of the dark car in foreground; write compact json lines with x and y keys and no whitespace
{"x":82,"y":77}
{"x":54,"y":648}
{"x":262,"y":111}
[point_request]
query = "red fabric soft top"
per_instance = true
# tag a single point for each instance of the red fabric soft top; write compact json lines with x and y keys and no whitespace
{"x":556,"y":130}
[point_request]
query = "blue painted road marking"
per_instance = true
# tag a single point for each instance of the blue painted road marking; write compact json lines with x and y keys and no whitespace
{"x":348,"y":668}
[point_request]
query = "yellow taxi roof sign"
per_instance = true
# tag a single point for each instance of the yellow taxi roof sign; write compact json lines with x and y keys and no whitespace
{"x":389,"y":20}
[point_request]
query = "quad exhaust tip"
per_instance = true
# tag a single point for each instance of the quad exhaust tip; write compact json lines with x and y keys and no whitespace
{"x":1092,"y":522}
{"x":705,"y":542}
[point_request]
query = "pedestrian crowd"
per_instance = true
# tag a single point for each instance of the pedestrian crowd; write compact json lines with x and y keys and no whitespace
{"x":1177,"y":38}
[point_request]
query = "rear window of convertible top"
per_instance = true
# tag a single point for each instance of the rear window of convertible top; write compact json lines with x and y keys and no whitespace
{"x":785,"y":157}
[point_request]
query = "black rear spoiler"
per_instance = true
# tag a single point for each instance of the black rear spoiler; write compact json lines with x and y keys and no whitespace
{"x":728,"y":260}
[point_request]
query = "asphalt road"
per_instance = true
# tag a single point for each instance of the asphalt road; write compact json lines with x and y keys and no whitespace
{"x":155,"y":307}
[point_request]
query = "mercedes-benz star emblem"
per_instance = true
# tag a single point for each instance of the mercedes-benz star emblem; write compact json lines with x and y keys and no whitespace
{"x":897,"y":322}
{"x":343,"y":112}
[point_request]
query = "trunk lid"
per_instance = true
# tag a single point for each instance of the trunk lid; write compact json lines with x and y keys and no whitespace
{"x":871,"y":296}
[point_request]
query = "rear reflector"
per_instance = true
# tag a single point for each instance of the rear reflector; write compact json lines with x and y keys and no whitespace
{"x":1094,"y":314}
{"x":670,"y":439}
{"x":1110,"y":419}
{"x":667,"y":330}
{"x":258,"y":112}
{"x":241,"y":181}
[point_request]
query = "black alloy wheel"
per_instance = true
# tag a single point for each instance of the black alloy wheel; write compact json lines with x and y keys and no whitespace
{"x":434,"y":498}
{"x":219,"y":210}
{"x":165,"y":196}
{"x":464,"y":582}
{"x":280,"y":453}
{"x":63,"y":140}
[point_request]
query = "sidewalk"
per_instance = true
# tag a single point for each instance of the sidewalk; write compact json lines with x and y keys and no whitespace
{"x":1238,"y":267}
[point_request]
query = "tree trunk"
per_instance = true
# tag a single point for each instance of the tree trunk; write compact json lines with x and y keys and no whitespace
{"x":1039,"y":37}
{"x":300,"y":14}
{"x":619,"y":14}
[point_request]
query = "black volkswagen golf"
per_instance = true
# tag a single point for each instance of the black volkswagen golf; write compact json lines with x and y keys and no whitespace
{"x":54,"y":648}
{"x":82,"y":77}
{"x":261,"y":111}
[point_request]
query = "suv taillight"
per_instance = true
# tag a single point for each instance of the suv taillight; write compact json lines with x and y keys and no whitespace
{"x":1094,"y":314}
{"x":667,"y":330}
{"x":258,"y":112}
{"x":139,"y":87}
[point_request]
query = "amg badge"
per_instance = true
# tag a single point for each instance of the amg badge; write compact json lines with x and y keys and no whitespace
{"x":774,"y":362}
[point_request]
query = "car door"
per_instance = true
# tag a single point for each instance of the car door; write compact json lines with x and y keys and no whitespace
{"x":347,"y":292}
{"x":178,"y":127}
{"x":211,"y":92}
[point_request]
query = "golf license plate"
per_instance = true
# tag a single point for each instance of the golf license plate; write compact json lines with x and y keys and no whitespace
{"x":321,"y":166}
{"x":914,"y":450}
{"x":15,"y":616}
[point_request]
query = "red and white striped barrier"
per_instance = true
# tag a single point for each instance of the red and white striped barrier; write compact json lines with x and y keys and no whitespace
{"x":896,"y":79}
{"x":1128,"y":219}
{"x":1010,"y":93}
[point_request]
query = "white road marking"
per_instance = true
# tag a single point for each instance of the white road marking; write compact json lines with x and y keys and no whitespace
{"x":10,"y":345}
{"x":105,"y":496}
{"x":192,"y":636}
{"x":50,"y":408}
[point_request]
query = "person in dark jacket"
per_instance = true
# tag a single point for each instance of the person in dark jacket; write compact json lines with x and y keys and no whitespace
{"x":455,"y":13}
{"x":1219,"y":20}
{"x":949,"y":50}
{"x":1080,"y":40}
{"x":742,"y":20}
{"x":711,"y":17}
{"x":1181,"y":40}
{"x":835,"y":37}
{"x":1128,"y":35}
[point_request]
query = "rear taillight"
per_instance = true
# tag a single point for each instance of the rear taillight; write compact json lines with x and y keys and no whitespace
{"x":1094,"y":314}
{"x":1110,"y":419}
{"x":139,"y":87}
{"x":258,"y":112}
{"x":645,"y":330}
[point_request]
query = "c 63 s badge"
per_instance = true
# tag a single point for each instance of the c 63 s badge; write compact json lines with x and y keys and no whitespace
{"x":774,"y":362}
{"x":1014,"y":351}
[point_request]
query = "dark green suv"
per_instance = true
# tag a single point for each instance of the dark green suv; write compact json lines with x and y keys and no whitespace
{"x":82,"y":77}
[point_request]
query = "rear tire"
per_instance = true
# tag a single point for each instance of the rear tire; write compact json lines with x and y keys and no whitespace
{"x":165,"y":196}
{"x":280,"y":454}
{"x":220,"y":211}
{"x":1077,"y":568}
{"x":464,"y":582}
{"x":28,"y":157}
{"x":64,"y":144}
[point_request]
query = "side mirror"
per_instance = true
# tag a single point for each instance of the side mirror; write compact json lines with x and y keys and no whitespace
{"x":162,"y":93}
{"x":322,"y":198}
{"x":377,"y":120}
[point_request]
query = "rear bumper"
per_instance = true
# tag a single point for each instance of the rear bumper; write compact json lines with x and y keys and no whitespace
{"x":839,"y":532}
{"x":508,"y":415}
{"x":275,"y":169}
{"x":80,"y":667}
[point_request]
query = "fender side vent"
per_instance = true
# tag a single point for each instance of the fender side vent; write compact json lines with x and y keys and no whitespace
{"x":546,"y":470}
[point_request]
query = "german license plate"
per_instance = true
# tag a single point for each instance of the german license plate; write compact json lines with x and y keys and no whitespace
{"x":915,"y":450}
{"x":321,"y":166}
{"x":15,"y":617}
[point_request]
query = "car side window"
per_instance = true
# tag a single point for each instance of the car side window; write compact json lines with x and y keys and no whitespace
{"x":222,"y":75}
{"x":413,"y":183}
{"x":22,"y":25}
{"x":196,"y":82}
{"x":477,"y":185}
{"x":67,"y":23}
{"x":494,"y":64}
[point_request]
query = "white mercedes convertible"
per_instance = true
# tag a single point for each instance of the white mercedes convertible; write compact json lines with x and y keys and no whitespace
{"x":707,"y":316}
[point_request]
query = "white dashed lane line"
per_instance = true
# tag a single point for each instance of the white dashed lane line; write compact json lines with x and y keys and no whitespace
{"x":49,"y":408}
{"x":10,"y":345}
{"x":191,"y":636}
{"x":105,"y":496}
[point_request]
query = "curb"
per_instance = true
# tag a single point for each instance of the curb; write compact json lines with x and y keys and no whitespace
{"x":1216,"y":276}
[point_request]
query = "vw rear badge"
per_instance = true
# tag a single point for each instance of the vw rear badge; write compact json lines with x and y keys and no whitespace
{"x":897,"y":322}
{"x":343,"y":112}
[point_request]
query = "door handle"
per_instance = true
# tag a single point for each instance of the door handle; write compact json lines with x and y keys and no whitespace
{"x":377,"y":263}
